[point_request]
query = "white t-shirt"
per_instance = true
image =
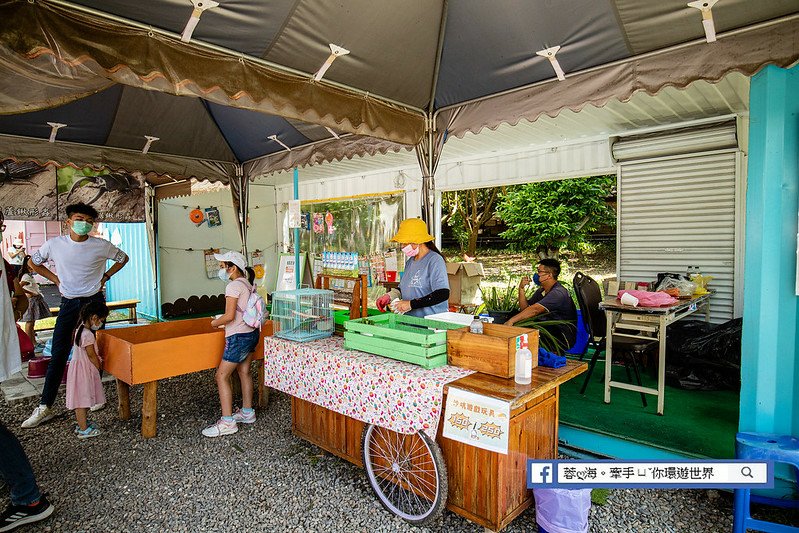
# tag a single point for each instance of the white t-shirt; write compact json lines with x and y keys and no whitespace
{"x":32,"y":286}
{"x":80,"y":265}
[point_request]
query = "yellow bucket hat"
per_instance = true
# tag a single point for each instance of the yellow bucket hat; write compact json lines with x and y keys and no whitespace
{"x":414,"y":231}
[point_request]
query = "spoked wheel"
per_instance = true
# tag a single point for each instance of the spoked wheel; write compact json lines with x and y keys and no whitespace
{"x":407,"y":472}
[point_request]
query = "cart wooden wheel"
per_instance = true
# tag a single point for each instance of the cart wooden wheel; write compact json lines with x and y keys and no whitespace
{"x":407,"y":472}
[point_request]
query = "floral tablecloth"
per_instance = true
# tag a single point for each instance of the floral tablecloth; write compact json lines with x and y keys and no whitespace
{"x":392,"y":394}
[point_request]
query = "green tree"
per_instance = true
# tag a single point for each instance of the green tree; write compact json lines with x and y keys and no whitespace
{"x":466,"y":212}
{"x":549,"y":216}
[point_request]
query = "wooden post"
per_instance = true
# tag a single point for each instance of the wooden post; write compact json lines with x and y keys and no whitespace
{"x":149,"y":411}
{"x":123,"y":394}
{"x":263,"y":390}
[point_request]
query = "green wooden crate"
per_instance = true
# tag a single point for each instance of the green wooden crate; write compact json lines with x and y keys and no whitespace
{"x":405,"y":338}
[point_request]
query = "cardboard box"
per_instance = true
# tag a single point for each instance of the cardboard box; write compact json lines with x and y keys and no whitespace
{"x":464,"y":282}
{"x":493,"y":352}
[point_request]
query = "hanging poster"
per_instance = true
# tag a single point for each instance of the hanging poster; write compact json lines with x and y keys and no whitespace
{"x":318,"y":223}
{"x":34,"y":192}
{"x":211,"y":264}
{"x":212,"y":214}
{"x":294,"y":214}
{"x":257,"y":263}
{"x":477,"y":420}
{"x":306,"y":221}
{"x":329,"y":222}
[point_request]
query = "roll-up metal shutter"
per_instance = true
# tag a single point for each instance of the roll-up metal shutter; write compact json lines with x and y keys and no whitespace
{"x":679,"y":211}
{"x":716,"y":136}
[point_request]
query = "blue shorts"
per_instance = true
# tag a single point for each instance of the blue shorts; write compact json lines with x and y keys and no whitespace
{"x":239,"y":345}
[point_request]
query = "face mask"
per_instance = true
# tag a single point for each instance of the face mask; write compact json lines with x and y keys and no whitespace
{"x":223,"y":275}
{"x":81,"y":227}
{"x":536,"y":279}
{"x":410,"y":251}
{"x":95,"y":328}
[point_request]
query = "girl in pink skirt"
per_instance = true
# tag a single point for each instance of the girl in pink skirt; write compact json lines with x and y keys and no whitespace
{"x":84,"y":388}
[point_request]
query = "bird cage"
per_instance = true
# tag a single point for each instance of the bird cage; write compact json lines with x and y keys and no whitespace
{"x":303,"y":314}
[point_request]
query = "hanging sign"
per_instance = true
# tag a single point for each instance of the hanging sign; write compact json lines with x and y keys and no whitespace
{"x":329,"y":222}
{"x":211,"y":264}
{"x":294,"y":214}
{"x":477,"y":420}
{"x":257,"y":262}
{"x":318,"y":223}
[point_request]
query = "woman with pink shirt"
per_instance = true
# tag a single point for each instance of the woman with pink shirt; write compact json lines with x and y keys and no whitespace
{"x":240,"y":343}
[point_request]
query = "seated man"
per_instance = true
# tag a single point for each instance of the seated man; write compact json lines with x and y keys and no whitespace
{"x":551,"y":298}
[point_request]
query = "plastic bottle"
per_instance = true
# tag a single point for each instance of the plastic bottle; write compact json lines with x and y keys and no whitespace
{"x":476,"y":326}
{"x":524,"y":361}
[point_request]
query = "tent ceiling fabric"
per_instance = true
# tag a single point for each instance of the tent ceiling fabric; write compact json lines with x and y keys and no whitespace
{"x":250,"y":63}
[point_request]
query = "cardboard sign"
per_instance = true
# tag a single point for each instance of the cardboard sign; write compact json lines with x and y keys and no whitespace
{"x":477,"y":420}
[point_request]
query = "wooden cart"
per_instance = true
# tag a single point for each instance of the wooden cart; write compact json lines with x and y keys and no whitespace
{"x":415,"y":476}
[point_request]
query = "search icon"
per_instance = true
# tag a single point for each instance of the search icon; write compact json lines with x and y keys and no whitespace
{"x":747,"y":472}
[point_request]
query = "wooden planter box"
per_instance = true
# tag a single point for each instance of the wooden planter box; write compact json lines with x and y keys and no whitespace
{"x":493,"y":352}
{"x":146,"y":354}
{"x":411,"y":339}
{"x":142,"y":354}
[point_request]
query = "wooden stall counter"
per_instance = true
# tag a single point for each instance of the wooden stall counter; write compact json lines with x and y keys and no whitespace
{"x":490,"y":488}
{"x":485,"y":487}
{"x":146,"y":354}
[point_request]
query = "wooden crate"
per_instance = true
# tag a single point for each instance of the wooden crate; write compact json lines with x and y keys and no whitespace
{"x":493,"y":352}
{"x":405,"y":338}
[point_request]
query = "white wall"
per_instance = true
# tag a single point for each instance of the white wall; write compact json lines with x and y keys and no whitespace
{"x":182,"y":272}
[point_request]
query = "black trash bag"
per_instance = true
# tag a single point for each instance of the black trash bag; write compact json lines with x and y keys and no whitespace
{"x":701,"y":356}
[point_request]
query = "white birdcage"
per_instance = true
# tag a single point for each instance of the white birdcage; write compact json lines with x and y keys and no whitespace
{"x":303,"y":314}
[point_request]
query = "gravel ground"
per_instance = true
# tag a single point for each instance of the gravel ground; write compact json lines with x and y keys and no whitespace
{"x":261,"y":479}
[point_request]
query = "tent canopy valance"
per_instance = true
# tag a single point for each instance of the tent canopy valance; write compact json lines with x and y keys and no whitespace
{"x":116,"y":72}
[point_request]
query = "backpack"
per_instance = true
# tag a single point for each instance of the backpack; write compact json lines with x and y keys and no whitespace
{"x":254,"y":313}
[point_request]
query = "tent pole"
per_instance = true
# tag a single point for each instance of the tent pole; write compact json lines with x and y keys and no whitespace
{"x":297,"y":231}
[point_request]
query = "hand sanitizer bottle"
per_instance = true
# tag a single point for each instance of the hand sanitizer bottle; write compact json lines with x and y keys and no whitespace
{"x":524,"y":361}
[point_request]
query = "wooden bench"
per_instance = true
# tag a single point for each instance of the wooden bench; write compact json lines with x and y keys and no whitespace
{"x":130,"y":305}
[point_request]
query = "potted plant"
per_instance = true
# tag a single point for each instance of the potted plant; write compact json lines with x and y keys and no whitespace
{"x":501,"y":303}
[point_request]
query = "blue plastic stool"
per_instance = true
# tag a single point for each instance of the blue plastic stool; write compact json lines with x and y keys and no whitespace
{"x":763,"y":447}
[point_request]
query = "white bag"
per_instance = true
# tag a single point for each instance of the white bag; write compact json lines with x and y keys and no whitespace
{"x":562,"y":510}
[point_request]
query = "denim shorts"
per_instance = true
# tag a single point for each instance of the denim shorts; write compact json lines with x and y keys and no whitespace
{"x":239,"y":345}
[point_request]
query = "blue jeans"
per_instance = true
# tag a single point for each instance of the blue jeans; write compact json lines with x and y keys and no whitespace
{"x":16,"y":470}
{"x":65,"y":325}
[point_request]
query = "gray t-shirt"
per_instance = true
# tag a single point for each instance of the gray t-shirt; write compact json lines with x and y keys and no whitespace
{"x":421,"y":277}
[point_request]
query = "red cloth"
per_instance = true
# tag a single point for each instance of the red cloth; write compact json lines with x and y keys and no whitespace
{"x":650,"y":299}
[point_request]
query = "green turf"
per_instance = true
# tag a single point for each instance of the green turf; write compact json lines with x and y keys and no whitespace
{"x":700,"y":423}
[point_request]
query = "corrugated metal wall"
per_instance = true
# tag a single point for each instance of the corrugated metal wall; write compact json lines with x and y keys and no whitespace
{"x":136,"y":279}
{"x":677,"y":212}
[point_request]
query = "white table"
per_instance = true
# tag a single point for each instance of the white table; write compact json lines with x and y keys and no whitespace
{"x":649,"y":322}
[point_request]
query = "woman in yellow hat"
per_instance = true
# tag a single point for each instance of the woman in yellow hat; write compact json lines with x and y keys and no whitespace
{"x":424,"y":287}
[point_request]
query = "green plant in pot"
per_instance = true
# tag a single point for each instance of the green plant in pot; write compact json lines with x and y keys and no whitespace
{"x":500,"y":303}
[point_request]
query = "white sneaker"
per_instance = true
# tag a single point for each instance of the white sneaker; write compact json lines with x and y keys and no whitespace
{"x":221,"y":428}
{"x":40,"y":415}
{"x":97,"y":407}
{"x":244,"y":418}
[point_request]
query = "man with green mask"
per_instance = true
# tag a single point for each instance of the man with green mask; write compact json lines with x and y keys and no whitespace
{"x":80,"y":276}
